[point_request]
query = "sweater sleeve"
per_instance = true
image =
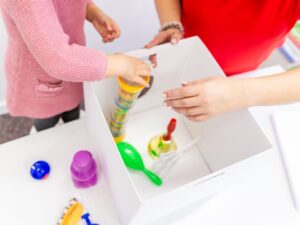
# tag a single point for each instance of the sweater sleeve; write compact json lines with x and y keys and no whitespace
{"x":43,"y":34}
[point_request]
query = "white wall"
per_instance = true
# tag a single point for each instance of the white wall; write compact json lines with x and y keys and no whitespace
{"x":138,"y":22}
{"x":2,"y":78}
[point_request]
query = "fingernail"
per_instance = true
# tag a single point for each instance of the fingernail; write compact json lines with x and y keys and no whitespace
{"x":183,"y":83}
{"x":165,"y":95}
{"x":174,"y":41}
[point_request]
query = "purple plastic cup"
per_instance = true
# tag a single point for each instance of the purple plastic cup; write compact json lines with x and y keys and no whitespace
{"x":84,"y":169}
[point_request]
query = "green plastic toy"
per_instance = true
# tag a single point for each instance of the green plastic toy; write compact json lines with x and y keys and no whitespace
{"x":133,"y":160}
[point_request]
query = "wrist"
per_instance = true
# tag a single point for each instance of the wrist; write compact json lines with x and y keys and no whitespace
{"x":93,"y":12}
{"x":172,"y":25}
{"x":115,"y":65}
{"x":254,"y":91}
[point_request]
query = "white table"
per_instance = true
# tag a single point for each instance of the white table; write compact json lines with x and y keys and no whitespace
{"x":256,"y":191}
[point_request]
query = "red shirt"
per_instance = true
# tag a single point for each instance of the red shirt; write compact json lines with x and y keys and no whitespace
{"x":240,"y":33}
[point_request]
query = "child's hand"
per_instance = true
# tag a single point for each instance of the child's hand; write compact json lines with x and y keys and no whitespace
{"x":106,"y":26}
{"x":128,"y":67}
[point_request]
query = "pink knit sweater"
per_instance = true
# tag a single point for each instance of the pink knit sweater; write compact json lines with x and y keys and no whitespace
{"x":46,"y":60}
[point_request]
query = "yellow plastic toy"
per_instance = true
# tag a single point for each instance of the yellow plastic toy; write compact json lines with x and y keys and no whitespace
{"x":72,"y":214}
{"x":128,"y":93}
{"x":163,"y":143}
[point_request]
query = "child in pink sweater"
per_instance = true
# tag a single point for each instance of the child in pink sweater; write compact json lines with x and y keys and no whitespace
{"x":47,"y":61}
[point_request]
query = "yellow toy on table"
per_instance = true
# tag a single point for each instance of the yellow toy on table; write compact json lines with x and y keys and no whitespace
{"x":72,"y":214}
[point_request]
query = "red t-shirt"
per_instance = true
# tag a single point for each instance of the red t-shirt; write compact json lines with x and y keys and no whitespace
{"x":240,"y":33}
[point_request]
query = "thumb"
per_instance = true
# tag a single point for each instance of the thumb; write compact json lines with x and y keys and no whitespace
{"x":158,"y":39}
{"x":176,"y":37}
{"x":141,"y":81}
{"x":108,"y":26}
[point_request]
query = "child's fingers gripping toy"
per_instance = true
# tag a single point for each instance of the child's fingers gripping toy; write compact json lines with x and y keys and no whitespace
{"x":128,"y":93}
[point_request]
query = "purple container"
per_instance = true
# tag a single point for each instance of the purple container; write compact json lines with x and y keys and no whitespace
{"x":84,"y":169}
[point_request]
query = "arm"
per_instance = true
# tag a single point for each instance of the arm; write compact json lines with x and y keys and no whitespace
{"x":168,"y":10}
{"x":105,"y":25}
{"x":277,"y":89}
{"x":44,"y":36}
{"x":205,"y":98}
{"x":90,"y":11}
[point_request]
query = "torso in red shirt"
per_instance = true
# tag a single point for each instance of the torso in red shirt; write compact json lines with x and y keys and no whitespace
{"x":240,"y":33}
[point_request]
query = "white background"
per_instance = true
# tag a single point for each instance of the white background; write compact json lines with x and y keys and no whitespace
{"x":137,"y":19}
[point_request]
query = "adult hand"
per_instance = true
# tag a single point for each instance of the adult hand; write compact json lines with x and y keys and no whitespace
{"x":205,"y":98}
{"x":172,"y":35}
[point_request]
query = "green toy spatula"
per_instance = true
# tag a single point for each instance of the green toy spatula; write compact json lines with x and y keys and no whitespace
{"x":133,"y":160}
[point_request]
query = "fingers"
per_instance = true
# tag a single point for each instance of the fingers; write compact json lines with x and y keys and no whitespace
{"x":160,"y":38}
{"x":144,"y":73}
{"x":172,"y":35}
{"x":113,"y":32}
{"x":153,"y":60}
{"x":140,"y":80}
{"x":183,"y":92}
{"x":191,"y":111}
{"x":145,"y":69}
{"x":117,"y":29}
{"x":198,"y":118}
{"x":176,"y":37}
{"x":109,"y":30}
{"x":183,"y":102}
{"x":113,"y":29}
{"x":195,"y":114}
{"x":108,"y":25}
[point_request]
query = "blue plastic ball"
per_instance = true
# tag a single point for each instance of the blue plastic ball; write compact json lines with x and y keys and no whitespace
{"x":40,"y":170}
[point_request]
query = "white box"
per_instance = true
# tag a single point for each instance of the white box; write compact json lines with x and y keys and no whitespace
{"x":225,"y":140}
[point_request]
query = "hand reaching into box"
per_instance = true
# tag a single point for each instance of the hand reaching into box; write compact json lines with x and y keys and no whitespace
{"x":201,"y":99}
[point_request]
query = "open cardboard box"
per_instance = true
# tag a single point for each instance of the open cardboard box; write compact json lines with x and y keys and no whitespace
{"x":225,"y":140}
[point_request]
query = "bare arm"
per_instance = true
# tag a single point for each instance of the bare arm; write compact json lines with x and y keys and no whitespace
{"x":205,"y":98}
{"x":168,"y":10}
{"x":276,"y":89}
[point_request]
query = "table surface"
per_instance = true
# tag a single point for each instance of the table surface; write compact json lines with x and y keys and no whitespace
{"x":256,"y":191}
